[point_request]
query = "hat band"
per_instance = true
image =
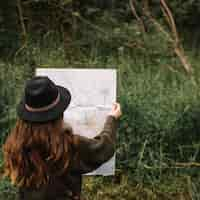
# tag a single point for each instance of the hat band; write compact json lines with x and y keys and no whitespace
{"x":45,"y":108}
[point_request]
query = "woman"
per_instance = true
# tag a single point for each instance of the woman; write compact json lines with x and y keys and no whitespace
{"x":42,"y":156}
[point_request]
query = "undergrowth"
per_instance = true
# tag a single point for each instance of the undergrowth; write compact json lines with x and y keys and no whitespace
{"x":158,"y":144}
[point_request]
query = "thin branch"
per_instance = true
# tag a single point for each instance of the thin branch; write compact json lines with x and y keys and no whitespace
{"x":180,"y":53}
{"x":133,"y":9}
{"x":21,"y":18}
{"x":23,"y":27}
{"x":178,"y":48}
{"x":166,"y":16}
{"x":190,"y":164}
{"x":173,"y":38}
{"x":170,"y":20}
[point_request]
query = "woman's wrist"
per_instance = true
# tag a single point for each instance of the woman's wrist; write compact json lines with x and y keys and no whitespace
{"x":112,"y":116}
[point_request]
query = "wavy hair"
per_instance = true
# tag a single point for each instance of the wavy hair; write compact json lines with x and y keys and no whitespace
{"x":33,"y":152}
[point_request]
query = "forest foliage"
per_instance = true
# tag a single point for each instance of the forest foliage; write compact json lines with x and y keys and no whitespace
{"x":159,"y":131}
{"x":19,"y":18}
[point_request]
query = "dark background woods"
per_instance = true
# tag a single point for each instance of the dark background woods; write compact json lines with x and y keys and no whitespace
{"x":19,"y":18}
{"x":158,"y":82}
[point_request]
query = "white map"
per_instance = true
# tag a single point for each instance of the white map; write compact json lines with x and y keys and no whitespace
{"x":93,"y":92}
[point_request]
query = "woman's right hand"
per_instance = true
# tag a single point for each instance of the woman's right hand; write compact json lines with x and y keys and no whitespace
{"x":116,"y":111}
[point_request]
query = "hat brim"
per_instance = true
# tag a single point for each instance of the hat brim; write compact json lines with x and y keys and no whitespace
{"x":45,"y":116}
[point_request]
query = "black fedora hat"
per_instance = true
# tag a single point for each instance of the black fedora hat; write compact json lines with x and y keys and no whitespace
{"x":43,"y":100}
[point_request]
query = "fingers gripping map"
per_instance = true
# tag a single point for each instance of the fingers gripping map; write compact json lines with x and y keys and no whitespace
{"x":93,"y":92}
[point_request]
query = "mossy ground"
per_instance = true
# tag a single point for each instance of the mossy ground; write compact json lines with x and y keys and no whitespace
{"x":109,"y":188}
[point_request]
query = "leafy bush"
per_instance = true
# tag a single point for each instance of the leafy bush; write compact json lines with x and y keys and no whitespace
{"x":160,"y":126}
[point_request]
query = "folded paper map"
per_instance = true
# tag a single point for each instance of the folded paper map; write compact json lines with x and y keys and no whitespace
{"x":93,"y":92}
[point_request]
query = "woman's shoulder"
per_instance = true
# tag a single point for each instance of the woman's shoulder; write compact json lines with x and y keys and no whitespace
{"x":72,"y":138}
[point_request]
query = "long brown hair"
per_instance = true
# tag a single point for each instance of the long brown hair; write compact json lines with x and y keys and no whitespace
{"x":32,"y":151}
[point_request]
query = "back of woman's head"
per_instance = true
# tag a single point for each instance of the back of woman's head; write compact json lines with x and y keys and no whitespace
{"x":35,"y":151}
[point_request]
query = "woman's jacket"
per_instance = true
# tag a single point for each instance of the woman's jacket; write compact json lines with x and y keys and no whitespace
{"x":86,"y":155}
